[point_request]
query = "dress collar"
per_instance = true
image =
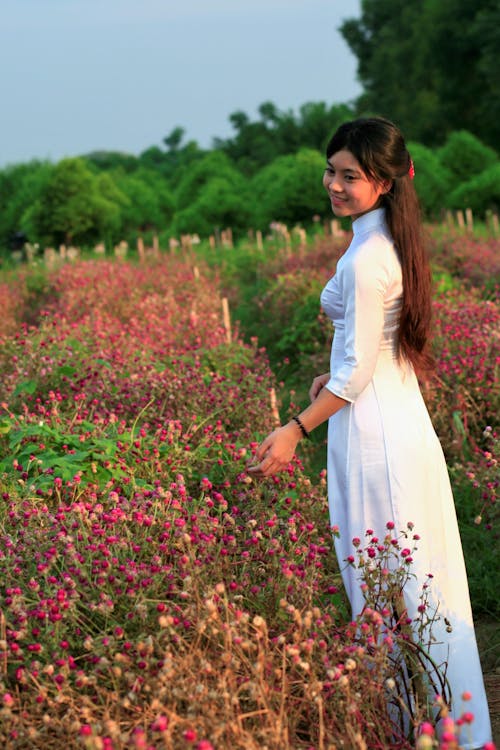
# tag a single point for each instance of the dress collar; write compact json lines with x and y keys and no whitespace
{"x":366,"y":222}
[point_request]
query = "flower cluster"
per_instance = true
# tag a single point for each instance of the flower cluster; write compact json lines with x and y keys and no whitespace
{"x":152,"y":594}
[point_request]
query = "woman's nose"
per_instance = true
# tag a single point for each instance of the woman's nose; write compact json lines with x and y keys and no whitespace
{"x":332,"y":183}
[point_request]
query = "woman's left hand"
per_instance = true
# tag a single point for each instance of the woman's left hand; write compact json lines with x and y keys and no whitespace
{"x":276,"y":451}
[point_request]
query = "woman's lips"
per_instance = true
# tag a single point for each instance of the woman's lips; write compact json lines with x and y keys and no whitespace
{"x":336,"y":200}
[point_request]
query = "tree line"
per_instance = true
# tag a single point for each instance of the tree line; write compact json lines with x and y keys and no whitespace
{"x":429,"y":66}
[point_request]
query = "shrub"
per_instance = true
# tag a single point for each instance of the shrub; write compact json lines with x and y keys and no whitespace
{"x":289,"y":189}
{"x":479,"y":193}
{"x":465,"y":156}
{"x":432,"y":179}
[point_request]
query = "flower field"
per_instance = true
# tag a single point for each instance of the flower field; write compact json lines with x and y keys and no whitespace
{"x":152,"y":595}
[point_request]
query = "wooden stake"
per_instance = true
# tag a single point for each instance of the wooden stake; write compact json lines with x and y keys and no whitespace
{"x":335,"y":228}
{"x":156,"y":246}
{"x":140,"y":249}
{"x":196,"y":272}
{"x":288,"y":242}
{"x":227,"y":319}
{"x":494,"y":223}
{"x":186,"y":243}
{"x":274,"y":407}
{"x":3,"y":637}
{"x":469,"y":219}
{"x":460,"y":219}
{"x":260,"y":245}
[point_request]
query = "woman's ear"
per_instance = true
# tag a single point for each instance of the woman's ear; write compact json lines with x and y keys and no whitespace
{"x":387,"y":186}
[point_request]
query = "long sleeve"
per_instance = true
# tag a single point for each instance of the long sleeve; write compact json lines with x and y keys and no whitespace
{"x":367,"y":285}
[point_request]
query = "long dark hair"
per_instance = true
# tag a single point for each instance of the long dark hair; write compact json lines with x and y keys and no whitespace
{"x":379,"y":147}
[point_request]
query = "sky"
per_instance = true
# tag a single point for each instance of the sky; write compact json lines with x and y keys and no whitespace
{"x":78,"y":76}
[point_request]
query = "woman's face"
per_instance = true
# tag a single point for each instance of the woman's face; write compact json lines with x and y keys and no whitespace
{"x":351,"y":192}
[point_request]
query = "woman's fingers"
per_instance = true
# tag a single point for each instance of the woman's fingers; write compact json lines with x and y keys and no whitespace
{"x":318,"y":384}
{"x":266,"y":468}
{"x":263,"y":448}
{"x":275,"y":452}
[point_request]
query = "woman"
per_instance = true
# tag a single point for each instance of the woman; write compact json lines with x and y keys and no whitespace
{"x":385,"y":463}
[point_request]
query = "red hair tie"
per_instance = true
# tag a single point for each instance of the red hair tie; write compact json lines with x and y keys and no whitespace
{"x":411,"y":171}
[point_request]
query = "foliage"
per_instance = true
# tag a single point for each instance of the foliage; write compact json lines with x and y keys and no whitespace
{"x":20,"y":188}
{"x":149,"y":203}
{"x":258,"y":143}
{"x":289,"y":188}
{"x":472,"y":262}
{"x":214,"y":165}
{"x":475,"y":483}
{"x":465,"y":156}
{"x":270,"y":171}
{"x":141,"y":567}
{"x":222,"y":203}
{"x":71,"y":208}
{"x":212,"y":193}
{"x":433,"y":181}
{"x":429,"y":66}
{"x":480,"y":193}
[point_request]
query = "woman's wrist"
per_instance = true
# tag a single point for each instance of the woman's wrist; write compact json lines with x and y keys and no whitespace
{"x":299,"y":427}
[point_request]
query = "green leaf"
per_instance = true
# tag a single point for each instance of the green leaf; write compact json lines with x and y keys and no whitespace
{"x":67,"y":370}
{"x":104,"y":362}
{"x":5,"y":427}
{"x":28,"y":386}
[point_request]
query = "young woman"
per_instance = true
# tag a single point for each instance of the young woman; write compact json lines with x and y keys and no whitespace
{"x":385,"y":462}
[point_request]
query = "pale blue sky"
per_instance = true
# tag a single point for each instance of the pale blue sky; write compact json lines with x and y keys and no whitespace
{"x":83,"y":75}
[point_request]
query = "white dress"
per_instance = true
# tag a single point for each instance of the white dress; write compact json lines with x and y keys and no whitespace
{"x":385,"y":462}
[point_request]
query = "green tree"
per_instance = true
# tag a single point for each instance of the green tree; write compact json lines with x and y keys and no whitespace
{"x":71,"y":208}
{"x":433,"y":180}
{"x":430,"y":66}
{"x":172,"y":163}
{"x":20,"y":188}
{"x":289,"y":189}
{"x":465,"y":156}
{"x":112,"y":160}
{"x":257,"y":143}
{"x":317,"y":122}
{"x":222,"y":203}
{"x":149,"y":202}
{"x":480,"y":193}
{"x":193,"y":182}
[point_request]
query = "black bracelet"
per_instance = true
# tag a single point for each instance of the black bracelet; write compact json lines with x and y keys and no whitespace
{"x":302,"y":428}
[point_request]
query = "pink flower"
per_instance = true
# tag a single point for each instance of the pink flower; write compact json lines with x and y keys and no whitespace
{"x":427,"y":728}
{"x":160,"y":724}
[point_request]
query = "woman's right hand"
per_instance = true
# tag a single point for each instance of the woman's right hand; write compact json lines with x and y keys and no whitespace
{"x":318,"y":384}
